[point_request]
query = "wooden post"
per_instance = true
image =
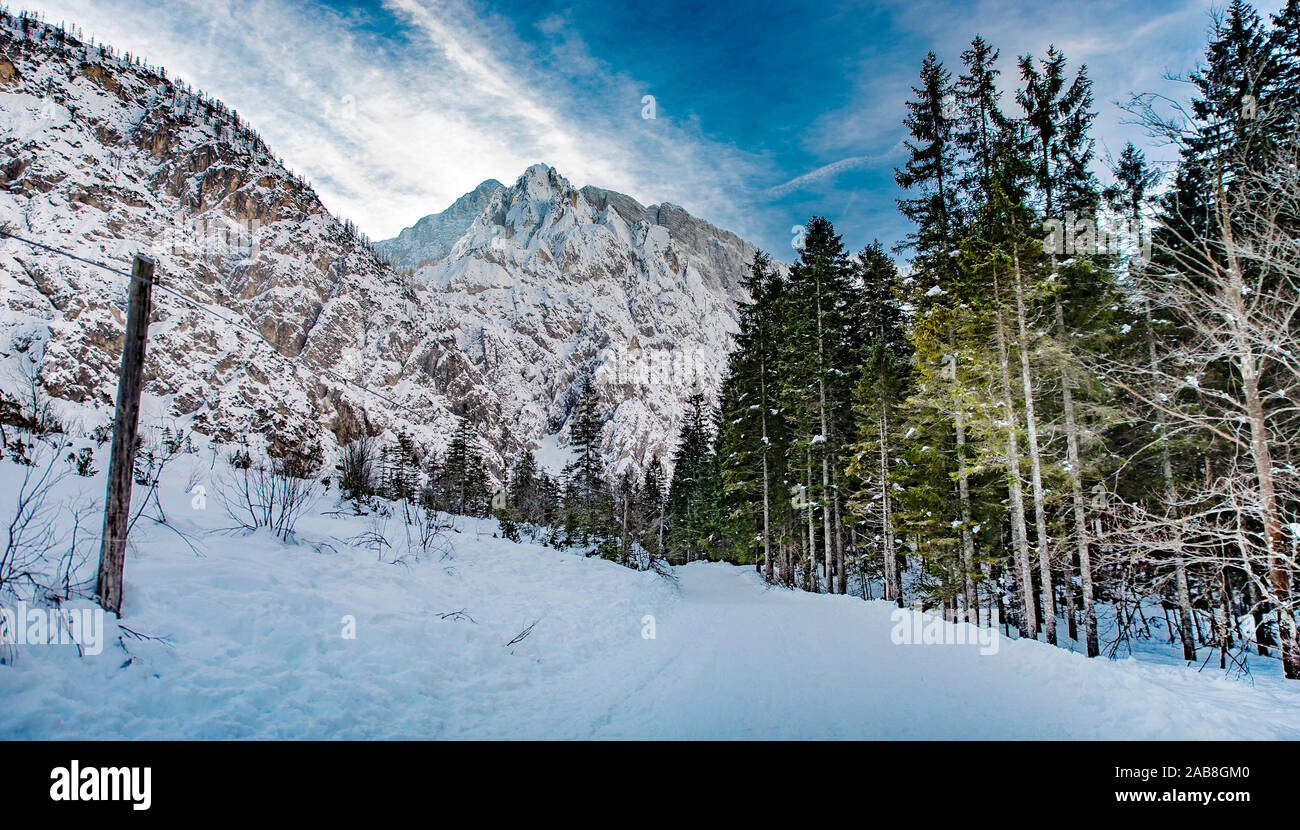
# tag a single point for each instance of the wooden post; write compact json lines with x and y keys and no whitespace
{"x":126,"y":416}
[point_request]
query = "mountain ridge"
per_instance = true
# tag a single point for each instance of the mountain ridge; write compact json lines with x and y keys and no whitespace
{"x":556,"y":285}
{"x":511,"y":298}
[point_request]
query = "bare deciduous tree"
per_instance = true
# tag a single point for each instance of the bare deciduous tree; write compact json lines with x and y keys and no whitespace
{"x":1233,"y":379}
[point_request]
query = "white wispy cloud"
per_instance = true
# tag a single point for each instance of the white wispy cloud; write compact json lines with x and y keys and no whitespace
{"x":390,"y":126}
{"x":826,"y":172}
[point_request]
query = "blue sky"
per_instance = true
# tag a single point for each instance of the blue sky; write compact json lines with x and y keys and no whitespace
{"x":765,"y":112}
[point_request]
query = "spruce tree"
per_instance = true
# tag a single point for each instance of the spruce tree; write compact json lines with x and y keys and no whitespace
{"x":690,"y":461}
{"x":822,"y":356}
{"x":1057,"y":122}
{"x":931,"y":156}
{"x":651,"y":506}
{"x":462,"y":473}
{"x":750,"y":437}
{"x":943,"y":120}
{"x":979,"y":121}
{"x":878,"y":400}
{"x":524,"y":491}
{"x":585,"y":430}
{"x":1285,"y":42}
{"x":1242,"y":103}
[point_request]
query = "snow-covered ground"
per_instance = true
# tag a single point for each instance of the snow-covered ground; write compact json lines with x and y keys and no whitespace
{"x":253,"y":648}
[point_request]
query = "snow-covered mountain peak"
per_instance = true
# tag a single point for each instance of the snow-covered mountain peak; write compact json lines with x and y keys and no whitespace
{"x":282,"y":300}
{"x":541,"y":179}
{"x":500,"y":307}
{"x":553,"y":285}
{"x":432,"y":237}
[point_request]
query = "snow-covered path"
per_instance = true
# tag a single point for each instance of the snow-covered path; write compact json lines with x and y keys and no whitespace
{"x":737,"y":660}
{"x":253,"y":645}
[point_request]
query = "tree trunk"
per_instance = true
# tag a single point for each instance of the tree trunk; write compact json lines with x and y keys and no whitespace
{"x":1279,"y":570}
{"x":828,"y":542}
{"x":626,"y":499}
{"x":963,"y":488}
{"x":1028,"y":614}
{"x":1279,"y":573}
{"x":1036,"y":465}
{"x":841,"y":578}
{"x":1076,"y":497}
{"x":893,"y":584}
{"x":1182,"y":588}
{"x":1257,"y":614}
{"x":767,"y":532}
{"x":812,"y":532}
{"x":825,"y":446}
{"x":967,"y":537}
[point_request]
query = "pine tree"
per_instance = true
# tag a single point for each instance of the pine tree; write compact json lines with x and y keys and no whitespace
{"x":749,"y":438}
{"x":651,"y":505}
{"x":1057,"y":121}
{"x":1285,"y":42}
{"x":464,"y":482}
{"x":995,"y":256}
{"x":943,"y":120}
{"x":878,"y":401}
{"x":401,"y":466}
{"x":1242,"y":103}
{"x":524,"y":493}
{"x":979,"y":121}
{"x":685,"y":508}
{"x":822,"y":350}
{"x":931,"y":155}
{"x":590,"y":492}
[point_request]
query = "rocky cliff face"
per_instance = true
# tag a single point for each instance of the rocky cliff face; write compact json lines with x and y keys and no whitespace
{"x":430,"y":239}
{"x":103,"y":158}
{"x":553,"y":285}
{"x":500,"y":306}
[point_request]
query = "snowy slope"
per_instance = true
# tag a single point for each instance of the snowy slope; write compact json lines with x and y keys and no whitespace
{"x":102,"y":157}
{"x":253,"y":649}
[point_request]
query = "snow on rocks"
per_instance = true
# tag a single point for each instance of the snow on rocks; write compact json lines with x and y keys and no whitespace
{"x":518,"y":294}
{"x":551,"y":285}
